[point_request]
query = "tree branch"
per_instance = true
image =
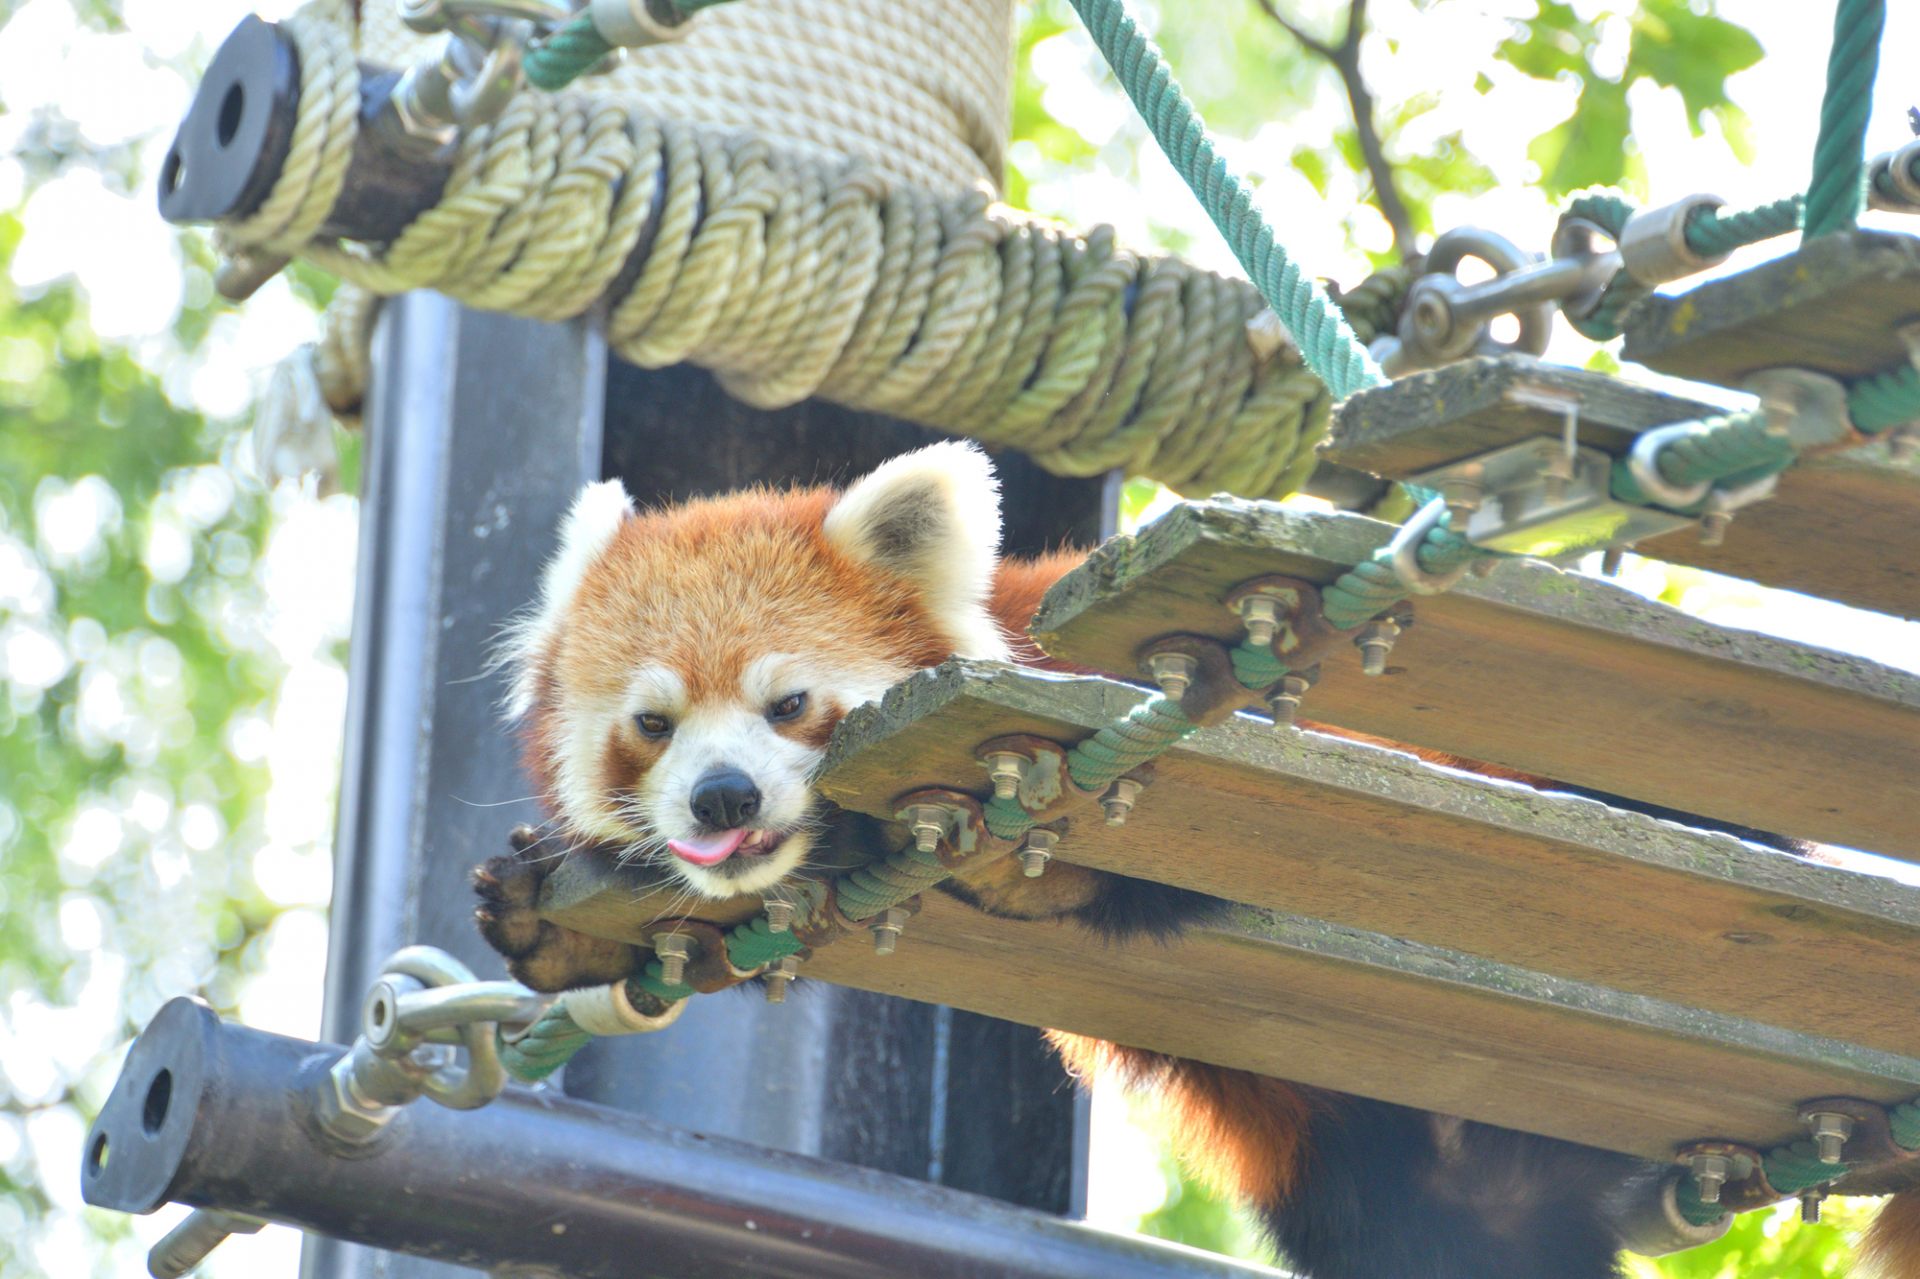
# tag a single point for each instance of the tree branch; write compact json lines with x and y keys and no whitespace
{"x":1344,"y":58}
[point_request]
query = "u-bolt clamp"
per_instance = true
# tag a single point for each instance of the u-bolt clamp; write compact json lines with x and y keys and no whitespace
{"x":424,"y":1005}
{"x":1404,"y":553}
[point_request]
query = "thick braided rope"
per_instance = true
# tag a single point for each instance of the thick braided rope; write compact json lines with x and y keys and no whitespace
{"x":315,"y":170}
{"x":918,"y":89}
{"x":1836,"y":191}
{"x":1148,"y":730}
{"x":865,"y":892}
{"x":794,"y":278}
{"x":1326,"y":342}
{"x":1885,"y":400}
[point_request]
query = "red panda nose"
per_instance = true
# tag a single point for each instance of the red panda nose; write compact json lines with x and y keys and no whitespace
{"x":724,"y":798}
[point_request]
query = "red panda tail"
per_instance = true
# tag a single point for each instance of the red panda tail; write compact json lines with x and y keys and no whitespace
{"x":1245,"y":1135}
{"x":1891,"y":1249}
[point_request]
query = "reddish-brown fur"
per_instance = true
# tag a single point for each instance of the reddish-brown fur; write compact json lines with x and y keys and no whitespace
{"x":1892,"y":1246}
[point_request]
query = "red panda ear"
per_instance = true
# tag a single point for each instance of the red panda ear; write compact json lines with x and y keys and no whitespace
{"x":933,"y":517}
{"x":589,"y":527}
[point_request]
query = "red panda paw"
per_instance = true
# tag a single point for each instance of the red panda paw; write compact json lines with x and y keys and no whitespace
{"x":539,"y":953}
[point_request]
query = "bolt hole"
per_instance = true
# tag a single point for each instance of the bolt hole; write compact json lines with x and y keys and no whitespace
{"x":378,"y":1014}
{"x":232,"y":108}
{"x":159,"y":1098}
{"x":171,"y":172}
{"x":97,"y":1156}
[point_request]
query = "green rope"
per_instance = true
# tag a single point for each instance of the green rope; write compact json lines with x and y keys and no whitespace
{"x":1789,"y":1169}
{"x":865,"y":892}
{"x":547,"y":1045}
{"x":1904,"y":1119}
{"x":754,"y":944}
{"x":1608,"y":210}
{"x":1371,"y":587}
{"x":1257,"y":667}
{"x":1713,"y":233}
{"x":1144,"y":732}
{"x":573,"y":49}
{"x":1836,"y":192}
{"x":1731,"y":445}
{"x":564,"y":56}
{"x":1885,"y":400}
{"x":1327,"y":344}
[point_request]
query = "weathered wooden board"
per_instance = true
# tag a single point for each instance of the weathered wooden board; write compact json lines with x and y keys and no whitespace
{"x":1353,"y":1011}
{"x":1831,"y":306}
{"x":1375,"y":839}
{"x":1346,"y":1009}
{"x":1429,"y":419}
{"x":1840,"y":526}
{"x":1544,"y":671}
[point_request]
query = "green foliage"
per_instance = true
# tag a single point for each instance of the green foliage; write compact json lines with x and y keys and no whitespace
{"x":128,"y":645}
{"x":1674,"y":44}
{"x":1769,"y":1245}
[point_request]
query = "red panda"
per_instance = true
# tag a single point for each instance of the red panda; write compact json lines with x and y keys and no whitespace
{"x":676,"y":684}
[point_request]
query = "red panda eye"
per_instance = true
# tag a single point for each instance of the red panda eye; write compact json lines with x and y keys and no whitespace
{"x":787,"y":707}
{"x":653,"y":725}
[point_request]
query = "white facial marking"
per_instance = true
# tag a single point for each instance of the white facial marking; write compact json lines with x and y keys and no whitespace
{"x":590,"y":525}
{"x":728,"y":732}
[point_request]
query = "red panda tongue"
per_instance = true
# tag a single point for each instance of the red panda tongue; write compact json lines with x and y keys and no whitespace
{"x":708,"y":850}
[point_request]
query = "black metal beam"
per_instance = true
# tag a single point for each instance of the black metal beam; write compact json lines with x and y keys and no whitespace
{"x":480,"y":429}
{"x":201,"y":1114}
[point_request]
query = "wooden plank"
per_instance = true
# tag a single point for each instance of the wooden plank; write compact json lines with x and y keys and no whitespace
{"x":1832,"y":306}
{"x":1341,"y":1008}
{"x":1840,"y":526}
{"x":1375,"y":839}
{"x":1430,"y":419}
{"x":1543,"y":671}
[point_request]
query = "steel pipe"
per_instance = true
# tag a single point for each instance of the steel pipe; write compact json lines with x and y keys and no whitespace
{"x":209,"y":1114}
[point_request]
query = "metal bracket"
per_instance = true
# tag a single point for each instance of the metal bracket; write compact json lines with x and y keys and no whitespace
{"x":1549,"y":500}
{"x":1405,"y":553}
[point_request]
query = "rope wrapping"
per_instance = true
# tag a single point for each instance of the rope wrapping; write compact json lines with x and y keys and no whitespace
{"x":793,"y":279}
{"x":1143,"y":733}
{"x":1371,"y":587}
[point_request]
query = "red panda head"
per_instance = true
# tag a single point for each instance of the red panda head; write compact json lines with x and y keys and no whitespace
{"x":682,"y":671}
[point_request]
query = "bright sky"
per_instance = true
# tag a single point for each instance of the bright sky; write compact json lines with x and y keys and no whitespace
{"x":113,"y":243}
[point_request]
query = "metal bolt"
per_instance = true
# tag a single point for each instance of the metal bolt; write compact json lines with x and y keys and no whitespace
{"x":672,"y":950}
{"x":1830,"y":1132}
{"x":779,"y":976}
{"x":779,"y":915}
{"x":928,"y":822}
{"x":1463,"y":497}
{"x":1713,"y":527}
{"x":1611,"y":559}
{"x":1174,"y":673}
{"x":1008,"y":770}
{"x":1037,"y":852}
{"x":1375,"y":643}
{"x":1810,"y":1200}
{"x":1261,"y":613}
{"x":1284,"y":701}
{"x":1119,"y":799}
{"x":1903,"y":444}
{"x":1709,"y":1174}
{"x":886,"y":928}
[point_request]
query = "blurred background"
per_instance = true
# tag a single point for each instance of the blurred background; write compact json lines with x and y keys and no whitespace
{"x":173,"y":632}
